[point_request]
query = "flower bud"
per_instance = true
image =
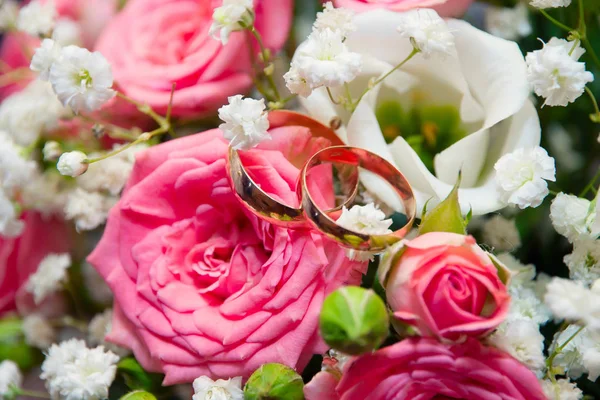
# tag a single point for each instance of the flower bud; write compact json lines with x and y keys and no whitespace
{"x":274,"y":381}
{"x":354,"y":320}
{"x":73,"y":163}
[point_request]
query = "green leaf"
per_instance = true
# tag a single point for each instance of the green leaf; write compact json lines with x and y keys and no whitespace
{"x":138,"y":395}
{"x":446,"y":216}
{"x":136,"y":377}
{"x":13,"y":346}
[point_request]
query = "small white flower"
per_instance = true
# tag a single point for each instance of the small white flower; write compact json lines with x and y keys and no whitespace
{"x":367,"y":219}
{"x":74,"y":372}
{"x":37,"y":18}
{"x":207,"y":389}
{"x":9,"y":11}
{"x":99,"y":327}
{"x":563,"y":389}
{"x":10,"y":375}
{"x":38,"y":332}
{"x":67,"y":32}
{"x":521,"y":338}
{"x":572,"y":301}
{"x":233,"y":15}
{"x":508,"y":23}
{"x":50,"y":275}
{"x":72,"y":163}
{"x":245,"y":122}
{"x":427,"y":30}
{"x":44,"y":56}
{"x":81,"y":79}
{"x":52,"y":150}
{"x":584,"y":261}
{"x":571,"y":357}
{"x":549,"y":3}
{"x":31,"y":112}
{"x":323,"y":60}
{"x":15,"y":170}
{"x":46,"y":193}
{"x":522,"y":175}
{"x":10,"y":225}
{"x":501,"y":233}
{"x":88,"y":209}
{"x":555,"y":73}
{"x":335,"y":19}
{"x":571,"y":216}
{"x":295,"y":83}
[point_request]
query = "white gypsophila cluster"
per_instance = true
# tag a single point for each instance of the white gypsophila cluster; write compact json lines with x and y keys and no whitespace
{"x":322,"y":61}
{"x":571,"y":216}
{"x":46,"y":193}
{"x":245,"y":122}
{"x":427,"y":31}
{"x":10,"y":225}
{"x":37,"y":18}
{"x":97,"y":287}
{"x":584,"y":261}
{"x":233,"y":15}
{"x":38,"y":332}
{"x":72,"y":163}
{"x":89,"y":210}
{"x":508,"y":23}
{"x":111,"y":175}
{"x":15,"y":169}
{"x":10,"y":375}
{"x":99,"y":327}
{"x":81,"y":79}
{"x":521,"y":176}
{"x":501,"y":233}
{"x":367,"y":219}
{"x":549,"y":3}
{"x":44,"y":57}
{"x":521,"y":274}
{"x":561,"y":146}
{"x":9,"y":11}
{"x":207,"y":389}
{"x":572,"y":301}
{"x":555,"y":74}
{"x":74,"y":372}
{"x":67,"y":32}
{"x":340,"y":19}
{"x":580,"y":355}
{"x":521,"y":338}
{"x":29,"y":113}
{"x":563,"y":389}
{"x":49,"y":277}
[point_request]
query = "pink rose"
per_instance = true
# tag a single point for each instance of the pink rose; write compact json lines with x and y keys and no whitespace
{"x":446,"y":286}
{"x":446,"y":8}
{"x":422,"y":369}
{"x":203,"y":287}
{"x":20,"y":257}
{"x":153,"y":43}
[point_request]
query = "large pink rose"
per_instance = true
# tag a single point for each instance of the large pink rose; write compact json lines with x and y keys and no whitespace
{"x":203,"y":287}
{"x":20,"y":257}
{"x":446,"y":8}
{"x":153,"y":43}
{"x":424,"y":369}
{"x":446,"y":286}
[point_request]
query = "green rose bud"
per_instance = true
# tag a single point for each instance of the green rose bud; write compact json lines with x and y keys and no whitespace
{"x":354,"y":320}
{"x":274,"y":382}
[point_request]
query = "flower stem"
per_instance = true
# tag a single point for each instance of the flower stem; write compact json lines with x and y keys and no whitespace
{"x":556,"y":352}
{"x":144,"y":137}
{"x":266,"y":59}
{"x":331,"y":97}
{"x":144,"y":108}
{"x":596,"y":116}
{"x":556,"y":22}
{"x":591,"y":51}
{"x":590,"y":185}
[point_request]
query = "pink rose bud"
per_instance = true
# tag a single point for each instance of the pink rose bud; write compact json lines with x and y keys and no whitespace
{"x":446,"y":286}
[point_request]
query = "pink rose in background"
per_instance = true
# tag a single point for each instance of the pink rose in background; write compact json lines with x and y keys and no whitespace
{"x":445,"y":8}
{"x":422,"y":369}
{"x":153,"y":43}
{"x":203,"y":287}
{"x":20,"y":256}
{"x":446,"y":286}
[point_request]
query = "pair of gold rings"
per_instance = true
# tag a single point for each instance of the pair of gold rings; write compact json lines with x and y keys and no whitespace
{"x":309,"y":214}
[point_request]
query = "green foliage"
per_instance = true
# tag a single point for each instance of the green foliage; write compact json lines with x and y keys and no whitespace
{"x":136,"y":377}
{"x":274,"y":381}
{"x":13,"y":346}
{"x":139,"y":395}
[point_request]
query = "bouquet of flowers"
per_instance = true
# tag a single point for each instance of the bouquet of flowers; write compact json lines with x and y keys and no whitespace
{"x":269,"y":199}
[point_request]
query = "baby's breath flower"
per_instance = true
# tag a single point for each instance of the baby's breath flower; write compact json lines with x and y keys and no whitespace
{"x":38,"y":332}
{"x":427,"y":30}
{"x":571,"y":216}
{"x":37,"y":18}
{"x":245,"y":122}
{"x":43,"y":58}
{"x":366,"y":219}
{"x":508,"y":23}
{"x":233,"y":15}
{"x":549,"y":3}
{"x":340,"y":19}
{"x":89,"y":210}
{"x":72,"y":163}
{"x":50,"y":275}
{"x":10,"y":376}
{"x":207,"y":389}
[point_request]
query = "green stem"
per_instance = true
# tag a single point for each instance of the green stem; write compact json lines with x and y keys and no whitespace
{"x":596,"y":115}
{"x":331,"y":96}
{"x":555,"y":21}
{"x":556,"y":352}
{"x":378,"y":81}
{"x":581,"y":26}
{"x":590,"y":185}
{"x":144,"y":137}
{"x":266,"y":61}
{"x":144,"y":108}
{"x":590,"y":49}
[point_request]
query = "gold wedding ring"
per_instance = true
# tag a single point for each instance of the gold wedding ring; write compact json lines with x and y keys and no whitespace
{"x":359,"y":158}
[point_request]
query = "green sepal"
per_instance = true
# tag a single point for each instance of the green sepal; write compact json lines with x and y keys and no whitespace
{"x":136,"y":378}
{"x":446,"y":216}
{"x":138,"y":395}
{"x":274,"y":381}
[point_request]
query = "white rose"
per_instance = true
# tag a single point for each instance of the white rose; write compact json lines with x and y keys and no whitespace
{"x":483,"y":80}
